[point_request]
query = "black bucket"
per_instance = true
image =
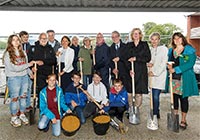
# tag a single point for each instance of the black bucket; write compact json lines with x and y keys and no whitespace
{"x":70,"y":124}
{"x":101,"y":123}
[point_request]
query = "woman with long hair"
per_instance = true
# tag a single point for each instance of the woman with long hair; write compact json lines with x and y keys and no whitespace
{"x":16,"y":70}
{"x":183,"y":77}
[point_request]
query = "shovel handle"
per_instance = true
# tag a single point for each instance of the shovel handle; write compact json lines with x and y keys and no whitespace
{"x":81,"y":71}
{"x":59,"y":70}
{"x":93,"y":55}
{"x":88,"y":94}
{"x":151,"y":94}
{"x":170,"y":84}
{"x":116,"y":76}
{"x":133,"y":79}
{"x":34,"y":80}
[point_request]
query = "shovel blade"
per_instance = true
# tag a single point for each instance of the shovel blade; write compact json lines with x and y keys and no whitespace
{"x":173,"y":122}
{"x":134,"y":116}
{"x":32,"y":113}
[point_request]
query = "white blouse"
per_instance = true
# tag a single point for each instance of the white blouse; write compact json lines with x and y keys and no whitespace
{"x":67,"y":57}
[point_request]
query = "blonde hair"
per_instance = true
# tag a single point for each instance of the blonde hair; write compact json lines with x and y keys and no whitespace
{"x":136,"y":29}
{"x":154,"y":34}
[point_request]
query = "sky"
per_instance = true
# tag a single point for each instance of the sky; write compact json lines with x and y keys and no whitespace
{"x":85,"y":22}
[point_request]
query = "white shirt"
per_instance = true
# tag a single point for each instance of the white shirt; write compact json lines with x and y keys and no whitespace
{"x":67,"y":56}
{"x":98,"y":92}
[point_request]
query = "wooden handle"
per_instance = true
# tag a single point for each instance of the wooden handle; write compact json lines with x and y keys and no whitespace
{"x":59,"y":70}
{"x":151,"y":94}
{"x":133,"y":79}
{"x":171,"y":88}
{"x":93,"y":55}
{"x":170,"y":84}
{"x":81,"y":71}
{"x":116,"y":76}
{"x":88,"y":94}
{"x":34,"y":80}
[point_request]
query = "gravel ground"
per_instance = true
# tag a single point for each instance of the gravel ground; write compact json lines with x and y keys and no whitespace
{"x":86,"y":132}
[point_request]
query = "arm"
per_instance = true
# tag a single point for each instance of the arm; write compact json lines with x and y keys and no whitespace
{"x":104,"y":60}
{"x":163,"y":63}
{"x":62,"y":101}
{"x":44,"y":107}
{"x":69,"y":58}
{"x":51,"y":59}
{"x":13,"y":67}
{"x":186,"y":65}
{"x":104,"y":95}
{"x":145,"y":55}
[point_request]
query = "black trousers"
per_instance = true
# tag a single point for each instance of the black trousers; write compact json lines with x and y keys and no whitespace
{"x":90,"y":109}
{"x":117,"y":111}
{"x":184,"y":103}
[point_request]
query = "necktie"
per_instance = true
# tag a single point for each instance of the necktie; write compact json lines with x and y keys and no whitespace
{"x":117,"y":47}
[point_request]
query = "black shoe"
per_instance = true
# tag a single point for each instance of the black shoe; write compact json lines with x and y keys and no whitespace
{"x":47,"y":128}
{"x":127,"y":115}
{"x":158,"y":116}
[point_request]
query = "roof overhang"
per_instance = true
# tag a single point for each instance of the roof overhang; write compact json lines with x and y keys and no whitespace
{"x":102,"y":5}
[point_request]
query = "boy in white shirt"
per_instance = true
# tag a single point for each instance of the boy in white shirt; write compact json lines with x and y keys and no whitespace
{"x":98,"y":91}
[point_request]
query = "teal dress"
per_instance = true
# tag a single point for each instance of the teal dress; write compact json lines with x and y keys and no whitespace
{"x":186,"y":62}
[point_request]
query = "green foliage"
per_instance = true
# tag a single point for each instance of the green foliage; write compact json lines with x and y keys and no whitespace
{"x":2,"y":45}
{"x":166,"y":31}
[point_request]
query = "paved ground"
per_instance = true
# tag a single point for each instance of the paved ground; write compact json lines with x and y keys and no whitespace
{"x":136,"y":132}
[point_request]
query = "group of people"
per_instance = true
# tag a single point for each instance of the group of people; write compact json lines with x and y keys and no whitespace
{"x":90,"y":67}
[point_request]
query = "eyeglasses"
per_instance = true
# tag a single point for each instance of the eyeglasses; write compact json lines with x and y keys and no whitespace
{"x":43,"y":38}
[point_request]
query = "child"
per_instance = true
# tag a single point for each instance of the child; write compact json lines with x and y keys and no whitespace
{"x":75,"y":98}
{"x":118,"y":100}
{"x":51,"y":106}
{"x":16,"y":70}
{"x":99,"y":92}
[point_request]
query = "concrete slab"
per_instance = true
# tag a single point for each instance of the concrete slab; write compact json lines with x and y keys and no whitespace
{"x":86,"y":132}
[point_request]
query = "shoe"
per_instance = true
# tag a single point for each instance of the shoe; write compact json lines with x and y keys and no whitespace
{"x":183,"y":125}
{"x":23,"y":119}
{"x":127,"y":115}
{"x":47,"y":128}
{"x":18,"y":113}
{"x":158,"y":116}
{"x":15,"y":121}
{"x":29,"y":108}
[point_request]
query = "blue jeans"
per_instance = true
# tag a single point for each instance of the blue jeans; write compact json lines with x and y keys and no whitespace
{"x":87,"y":79}
{"x":79,"y":112}
{"x":18,"y":87}
{"x":44,"y":121}
{"x":28,"y":97}
{"x":156,"y":100}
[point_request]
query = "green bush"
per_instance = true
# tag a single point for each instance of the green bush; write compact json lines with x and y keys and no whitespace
{"x":2,"y":45}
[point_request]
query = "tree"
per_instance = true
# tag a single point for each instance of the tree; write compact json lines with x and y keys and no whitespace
{"x":165,"y":30}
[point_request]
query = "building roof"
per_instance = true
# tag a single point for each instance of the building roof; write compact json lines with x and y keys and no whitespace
{"x":102,"y":5}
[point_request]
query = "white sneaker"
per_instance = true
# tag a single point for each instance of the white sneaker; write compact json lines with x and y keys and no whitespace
{"x":15,"y":121}
{"x":23,"y":119}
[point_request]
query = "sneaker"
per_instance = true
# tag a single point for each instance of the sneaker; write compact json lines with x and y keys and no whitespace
{"x":23,"y":119}
{"x":15,"y":121}
{"x":29,"y":108}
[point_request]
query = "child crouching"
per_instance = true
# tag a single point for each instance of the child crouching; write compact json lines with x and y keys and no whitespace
{"x":51,"y":105}
{"x":118,"y":100}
